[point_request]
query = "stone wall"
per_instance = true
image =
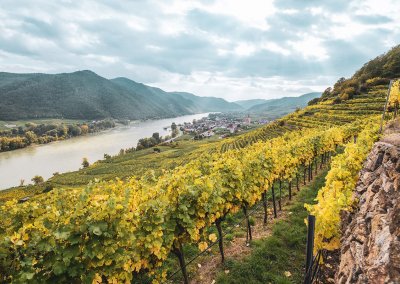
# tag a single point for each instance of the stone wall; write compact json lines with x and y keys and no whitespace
{"x":370,"y":243}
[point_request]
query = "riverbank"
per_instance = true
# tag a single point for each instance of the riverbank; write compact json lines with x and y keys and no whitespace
{"x":23,"y":134}
{"x":66,"y":156}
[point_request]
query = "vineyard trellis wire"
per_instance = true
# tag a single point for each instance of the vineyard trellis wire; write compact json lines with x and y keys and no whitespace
{"x":308,"y":168}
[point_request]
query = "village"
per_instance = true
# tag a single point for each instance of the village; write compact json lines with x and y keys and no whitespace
{"x":219,"y":124}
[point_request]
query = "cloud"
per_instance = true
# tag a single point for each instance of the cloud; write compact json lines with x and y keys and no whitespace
{"x":223,"y":48}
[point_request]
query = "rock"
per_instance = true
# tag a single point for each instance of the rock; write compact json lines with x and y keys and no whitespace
{"x":370,"y":244}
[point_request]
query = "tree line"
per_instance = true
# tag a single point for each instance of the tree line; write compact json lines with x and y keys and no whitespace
{"x":32,"y":133}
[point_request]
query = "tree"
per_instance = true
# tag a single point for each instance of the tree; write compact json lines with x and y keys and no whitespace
{"x":156,"y":136}
{"x":85,"y":163}
{"x":326,"y":93}
{"x":31,"y":137}
{"x":62,"y":130}
{"x":84,"y":129}
{"x":74,"y":130}
{"x":174,"y":129}
{"x":37,"y":179}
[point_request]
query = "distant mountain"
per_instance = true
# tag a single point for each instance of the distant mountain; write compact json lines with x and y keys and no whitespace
{"x":86,"y":95}
{"x":210,"y":103}
{"x":282,"y":106}
{"x":246,"y":104}
{"x":189,"y":101}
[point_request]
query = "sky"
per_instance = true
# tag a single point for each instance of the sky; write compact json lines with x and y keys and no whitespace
{"x":232,"y":49}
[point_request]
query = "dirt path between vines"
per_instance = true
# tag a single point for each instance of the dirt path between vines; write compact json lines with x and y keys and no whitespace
{"x":210,"y":265}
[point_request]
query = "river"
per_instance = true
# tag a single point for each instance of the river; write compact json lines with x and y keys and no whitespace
{"x":64,"y":156}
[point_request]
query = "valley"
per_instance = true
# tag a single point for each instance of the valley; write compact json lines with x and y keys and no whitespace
{"x":199,"y":142}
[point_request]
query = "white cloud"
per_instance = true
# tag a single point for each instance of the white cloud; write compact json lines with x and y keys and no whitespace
{"x":251,"y":12}
{"x":310,"y":47}
{"x":224,"y":48}
{"x":137,"y":23}
{"x":101,"y":59}
{"x":244,"y":49}
{"x":274,"y":47}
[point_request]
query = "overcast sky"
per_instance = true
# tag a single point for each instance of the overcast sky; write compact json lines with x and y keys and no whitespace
{"x":235,"y":49}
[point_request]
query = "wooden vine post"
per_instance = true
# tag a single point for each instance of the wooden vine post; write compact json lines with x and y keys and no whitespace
{"x":248,"y":236}
{"x":273,"y":201}
{"x":316,"y":165}
{"x":280,"y":195}
{"x":220,"y":238}
{"x":178,"y":251}
{"x":264,"y":199}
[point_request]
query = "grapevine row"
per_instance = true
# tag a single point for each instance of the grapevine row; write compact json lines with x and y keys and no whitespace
{"x":337,"y":194}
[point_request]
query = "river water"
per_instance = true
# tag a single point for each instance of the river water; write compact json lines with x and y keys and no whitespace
{"x":64,"y":156}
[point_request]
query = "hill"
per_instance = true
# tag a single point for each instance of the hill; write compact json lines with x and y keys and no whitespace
{"x":278,"y":107}
{"x":178,"y":101}
{"x":86,"y":95}
{"x":246,"y":104}
{"x":376,"y":72}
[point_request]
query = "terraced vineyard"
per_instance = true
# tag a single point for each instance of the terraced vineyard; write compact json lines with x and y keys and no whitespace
{"x":323,"y":115}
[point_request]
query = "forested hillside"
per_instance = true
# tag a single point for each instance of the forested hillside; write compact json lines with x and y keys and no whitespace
{"x":86,"y":95}
{"x":282,"y":106}
{"x":275,"y":108}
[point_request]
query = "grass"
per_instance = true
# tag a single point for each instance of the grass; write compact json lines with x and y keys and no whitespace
{"x":283,"y":251}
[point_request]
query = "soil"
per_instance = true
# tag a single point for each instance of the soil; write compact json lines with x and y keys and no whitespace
{"x":210,"y":265}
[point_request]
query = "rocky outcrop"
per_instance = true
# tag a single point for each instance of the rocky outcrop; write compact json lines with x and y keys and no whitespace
{"x":370,"y":243}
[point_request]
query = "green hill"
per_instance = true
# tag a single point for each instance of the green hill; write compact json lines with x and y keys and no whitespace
{"x":246,"y":104}
{"x":86,"y":95}
{"x":177,"y":101}
{"x":279,"y":107}
{"x":376,"y":72}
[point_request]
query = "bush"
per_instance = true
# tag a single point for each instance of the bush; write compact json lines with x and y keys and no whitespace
{"x":376,"y":81}
{"x":337,"y":100}
{"x":37,"y":179}
{"x":85,"y":163}
{"x":313,"y":101}
{"x":344,"y":97}
{"x":48,"y":188}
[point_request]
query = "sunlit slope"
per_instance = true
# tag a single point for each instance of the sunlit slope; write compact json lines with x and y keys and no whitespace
{"x":321,"y":115}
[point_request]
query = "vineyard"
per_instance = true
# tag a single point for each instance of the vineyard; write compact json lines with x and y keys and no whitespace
{"x":322,"y":115}
{"x":121,"y":230}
